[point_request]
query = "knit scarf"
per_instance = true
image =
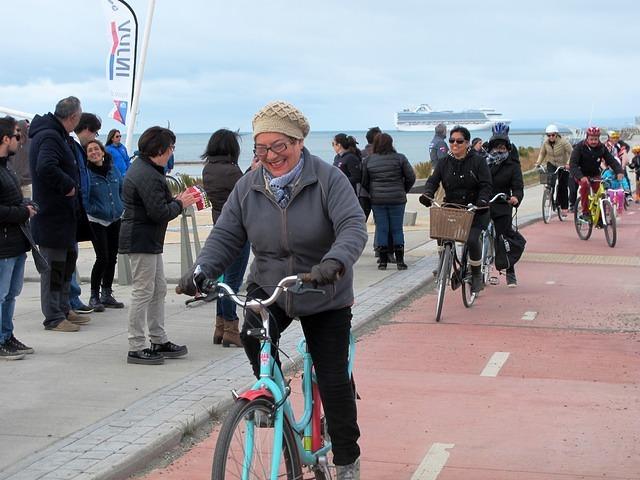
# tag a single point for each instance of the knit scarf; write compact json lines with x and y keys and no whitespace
{"x":281,"y":187}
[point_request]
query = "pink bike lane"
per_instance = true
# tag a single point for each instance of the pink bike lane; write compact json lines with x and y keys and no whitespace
{"x":540,"y":382}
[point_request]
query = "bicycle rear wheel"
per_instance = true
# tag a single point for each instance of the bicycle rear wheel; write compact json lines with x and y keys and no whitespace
{"x":443,"y":278}
{"x":609,"y":224}
{"x":468,"y":297}
{"x":583,"y":227}
{"x":247,"y":435}
{"x":546,"y":205}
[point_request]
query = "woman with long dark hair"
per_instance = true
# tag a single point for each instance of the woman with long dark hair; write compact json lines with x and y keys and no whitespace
{"x":118,"y":151}
{"x":219,"y":176}
{"x":388,"y":177}
{"x":104,"y":209}
{"x":348,"y":158}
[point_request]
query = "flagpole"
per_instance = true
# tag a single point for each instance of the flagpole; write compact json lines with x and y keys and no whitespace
{"x":131,"y":121}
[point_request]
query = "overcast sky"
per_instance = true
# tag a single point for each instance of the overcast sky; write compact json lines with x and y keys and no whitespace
{"x":345,"y":64}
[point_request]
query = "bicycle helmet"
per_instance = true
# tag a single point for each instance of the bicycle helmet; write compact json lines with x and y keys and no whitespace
{"x":614,"y":135}
{"x":636,"y":149}
{"x":551,"y":129}
{"x":500,"y":128}
{"x":593,"y":131}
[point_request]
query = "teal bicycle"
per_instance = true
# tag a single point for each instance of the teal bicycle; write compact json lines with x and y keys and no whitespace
{"x":260,"y":437}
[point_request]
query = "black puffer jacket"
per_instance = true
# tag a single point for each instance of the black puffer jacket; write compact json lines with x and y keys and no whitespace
{"x":148,"y":208}
{"x":12,"y":214}
{"x":465,"y":181}
{"x":585,"y":160}
{"x":351,"y":166}
{"x":219,"y":176}
{"x":388,"y":178}
{"x":506,"y":178}
{"x":54,"y":173}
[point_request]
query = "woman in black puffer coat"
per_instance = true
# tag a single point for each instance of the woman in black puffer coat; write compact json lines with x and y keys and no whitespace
{"x":388,"y":177}
{"x":506,"y":176}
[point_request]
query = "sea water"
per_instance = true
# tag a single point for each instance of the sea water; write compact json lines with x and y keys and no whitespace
{"x":414,"y":145}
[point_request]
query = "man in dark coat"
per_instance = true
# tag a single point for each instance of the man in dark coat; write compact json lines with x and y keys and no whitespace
{"x":55,"y":190}
{"x":14,"y":213}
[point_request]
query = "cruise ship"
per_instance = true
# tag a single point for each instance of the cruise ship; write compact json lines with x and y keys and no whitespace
{"x":424,"y":118}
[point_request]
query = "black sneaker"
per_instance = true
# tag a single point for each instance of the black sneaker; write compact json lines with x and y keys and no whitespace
{"x":145,"y":357}
{"x":169,"y":349}
{"x":512,"y":282}
{"x":585,"y":217}
{"x":8,"y":352}
{"x":19,"y":346}
{"x":84,"y":309}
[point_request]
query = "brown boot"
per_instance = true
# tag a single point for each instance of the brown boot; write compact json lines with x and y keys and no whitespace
{"x":219,"y":331}
{"x":231,"y":334}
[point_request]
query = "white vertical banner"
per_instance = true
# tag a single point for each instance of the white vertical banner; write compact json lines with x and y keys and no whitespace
{"x":122,"y":30}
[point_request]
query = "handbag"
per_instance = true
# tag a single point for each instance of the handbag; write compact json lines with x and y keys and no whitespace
{"x":42,"y":266}
{"x":509,"y":249}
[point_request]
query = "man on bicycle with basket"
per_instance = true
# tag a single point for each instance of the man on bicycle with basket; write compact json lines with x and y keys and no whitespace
{"x":466,"y":179}
{"x":585,"y":167}
{"x":300,"y":215}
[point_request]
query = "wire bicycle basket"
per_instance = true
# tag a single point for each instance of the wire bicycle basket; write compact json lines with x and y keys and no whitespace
{"x":450,"y":223}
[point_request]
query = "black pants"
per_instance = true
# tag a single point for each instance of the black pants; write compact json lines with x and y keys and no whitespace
{"x":327,"y":336}
{"x":503,"y":226}
{"x":480,"y":222}
{"x":563,"y":186}
{"x":105,"y":244}
{"x":55,"y":284}
{"x":573,"y":191}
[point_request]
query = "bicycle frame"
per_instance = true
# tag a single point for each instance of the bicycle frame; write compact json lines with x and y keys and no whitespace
{"x":596,"y":200}
{"x":310,"y":446}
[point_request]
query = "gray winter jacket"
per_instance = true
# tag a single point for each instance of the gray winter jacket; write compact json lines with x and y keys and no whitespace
{"x":322,"y":220}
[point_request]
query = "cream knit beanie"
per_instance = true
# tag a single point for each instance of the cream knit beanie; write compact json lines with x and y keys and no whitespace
{"x":281,"y":117}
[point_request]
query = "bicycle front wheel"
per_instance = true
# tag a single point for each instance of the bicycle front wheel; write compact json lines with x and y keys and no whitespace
{"x":468,"y":297}
{"x":443,"y":278}
{"x":546,"y":205}
{"x":610,"y":227}
{"x":245,"y":443}
{"x":583,"y":227}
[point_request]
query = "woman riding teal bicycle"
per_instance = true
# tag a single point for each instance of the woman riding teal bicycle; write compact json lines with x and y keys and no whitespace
{"x":300,"y":214}
{"x":466,"y":179}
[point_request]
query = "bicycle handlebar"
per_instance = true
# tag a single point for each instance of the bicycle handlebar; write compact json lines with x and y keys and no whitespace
{"x":470,"y":207}
{"x":213,"y":289}
{"x":542,"y":169}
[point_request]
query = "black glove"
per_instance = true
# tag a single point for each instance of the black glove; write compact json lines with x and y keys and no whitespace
{"x":190,"y":283}
{"x":326,"y":272}
{"x":424,"y":200}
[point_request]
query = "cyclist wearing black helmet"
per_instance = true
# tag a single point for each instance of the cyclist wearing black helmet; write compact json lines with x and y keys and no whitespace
{"x":466,"y":179}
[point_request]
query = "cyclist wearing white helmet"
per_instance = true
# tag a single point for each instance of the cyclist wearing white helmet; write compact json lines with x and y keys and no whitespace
{"x":556,"y":152}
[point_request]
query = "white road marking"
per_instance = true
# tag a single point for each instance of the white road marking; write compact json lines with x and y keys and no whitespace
{"x":433,"y":462}
{"x":631,"y":213}
{"x":551,"y":282}
{"x":494,"y":364}
{"x":529,"y":315}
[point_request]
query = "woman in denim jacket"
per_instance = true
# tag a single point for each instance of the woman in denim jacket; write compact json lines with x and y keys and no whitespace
{"x":104,"y":210}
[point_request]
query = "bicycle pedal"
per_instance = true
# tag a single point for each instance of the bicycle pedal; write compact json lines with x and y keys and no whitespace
{"x":494,"y":281}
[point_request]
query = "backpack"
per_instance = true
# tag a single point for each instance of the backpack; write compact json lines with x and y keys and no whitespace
{"x":509,"y":249}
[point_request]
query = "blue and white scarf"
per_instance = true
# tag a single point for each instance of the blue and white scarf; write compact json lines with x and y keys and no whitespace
{"x":281,"y":187}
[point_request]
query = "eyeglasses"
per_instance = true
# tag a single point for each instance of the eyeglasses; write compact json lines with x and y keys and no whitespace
{"x":17,"y":135}
{"x":261,"y":151}
{"x":117,"y":136}
{"x":551,"y":134}
{"x":172,"y":147}
{"x":459,"y":141}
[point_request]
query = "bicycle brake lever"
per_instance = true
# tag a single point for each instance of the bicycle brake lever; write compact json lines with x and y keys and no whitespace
{"x":299,"y":289}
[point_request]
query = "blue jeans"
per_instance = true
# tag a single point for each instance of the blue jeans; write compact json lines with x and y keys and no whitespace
{"x":233,"y":276}
{"x":389,"y":219}
{"x":75,"y":291}
{"x":11,"y":280}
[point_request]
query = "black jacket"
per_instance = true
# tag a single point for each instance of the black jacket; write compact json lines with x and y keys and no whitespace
{"x":585,"y":161}
{"x":506,"y":178}
{"x":13,"y":213}
{"x":54,"y":173}
{"x":148,"y":208}
{"x":351,"y":166}
{"x":219,"y":176}
{"x":388,"y":178}
{"x":465,"y":181}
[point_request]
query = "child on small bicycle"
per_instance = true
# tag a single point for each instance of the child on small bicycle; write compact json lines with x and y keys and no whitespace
{"x":616,"y":189}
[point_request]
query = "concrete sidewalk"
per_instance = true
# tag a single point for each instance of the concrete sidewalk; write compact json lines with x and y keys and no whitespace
{"x":77,"y":410}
